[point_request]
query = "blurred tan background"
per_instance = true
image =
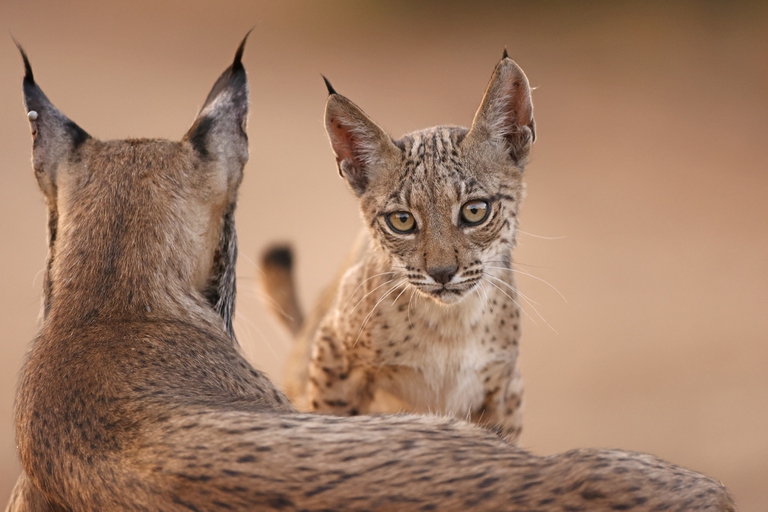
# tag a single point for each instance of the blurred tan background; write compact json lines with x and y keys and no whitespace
{"x":649,"y":185}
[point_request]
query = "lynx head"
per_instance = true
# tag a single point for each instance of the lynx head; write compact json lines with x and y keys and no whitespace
{"x":441,"y":204}
{"x":156,"y":216}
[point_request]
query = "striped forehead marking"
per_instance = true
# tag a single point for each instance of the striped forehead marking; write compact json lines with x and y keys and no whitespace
{"x":432,"y":154}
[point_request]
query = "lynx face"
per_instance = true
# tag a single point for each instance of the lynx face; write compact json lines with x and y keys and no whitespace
{"x":449,"y":212}
{"x":441,"y":204}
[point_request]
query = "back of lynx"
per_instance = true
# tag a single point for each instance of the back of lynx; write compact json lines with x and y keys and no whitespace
{"x":136,"y":397}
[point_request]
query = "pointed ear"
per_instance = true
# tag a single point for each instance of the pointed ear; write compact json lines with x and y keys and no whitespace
{"x":218,"y":133}
{"x":360,"y":146}
{"x":54,"y":136}
{"x":505,"y":115}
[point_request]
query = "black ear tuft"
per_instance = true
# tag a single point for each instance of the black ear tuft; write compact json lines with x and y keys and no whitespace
{"x":238,"y":62}
{"x":55,"y":135}
{"x":233,"y":77}
{"x":331,"y":90}
{"x":29,"y":77}
{"x":505,"y":55}
{"x":361,"y":147}
{"x":218,"y":133}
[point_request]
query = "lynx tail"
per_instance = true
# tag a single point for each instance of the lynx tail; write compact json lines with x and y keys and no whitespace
{"x":278,"y":282}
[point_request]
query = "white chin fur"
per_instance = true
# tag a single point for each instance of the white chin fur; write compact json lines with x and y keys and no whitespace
{"x":446,"y":298}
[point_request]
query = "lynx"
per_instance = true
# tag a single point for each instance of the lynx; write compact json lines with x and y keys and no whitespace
{"x":135,"y":395}
{"x":426,"y":318}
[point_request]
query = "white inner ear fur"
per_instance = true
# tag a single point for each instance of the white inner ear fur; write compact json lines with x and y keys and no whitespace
{"x":354,"y":136}
{"x":368,"y":147}
{"x":506,"y":107}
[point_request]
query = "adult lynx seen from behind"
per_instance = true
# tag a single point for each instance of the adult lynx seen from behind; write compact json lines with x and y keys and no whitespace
{"x":426,"y":317}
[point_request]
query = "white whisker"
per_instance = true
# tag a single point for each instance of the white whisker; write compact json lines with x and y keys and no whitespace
{"x":253,"y":291}
{"x":487,"y":299}
{"x":370,"y":292}
{"x":34,"y":280}
{"x":477,"y":290}
{"x":265,"y":300}
{"x":253,"y":263}
{"x":515,"y":263}
{"x":522,"y":272}
{"x":358,"y":287}
{"x":368,"y":316}
{"x":540,"y":236}
{"x":240,"y":317}
{"x":511,"y":287}
{"x":513,"y":300}
{"x":528,"y":300}
{"x":399,"y":294}
{"x":410,"y":324}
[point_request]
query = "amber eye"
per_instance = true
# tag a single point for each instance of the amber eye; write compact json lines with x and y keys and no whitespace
{"x":401,"y":222}
{"x":474,"y":212}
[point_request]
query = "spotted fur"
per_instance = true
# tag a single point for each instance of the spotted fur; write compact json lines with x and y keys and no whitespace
{"x":427,"y":321}
{"x":134,"y":396}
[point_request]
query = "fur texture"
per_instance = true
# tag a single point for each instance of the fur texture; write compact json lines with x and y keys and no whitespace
{"x":134,"y":396}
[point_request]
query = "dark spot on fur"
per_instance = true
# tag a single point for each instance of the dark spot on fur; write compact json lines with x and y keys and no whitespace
{"x":198,"y":136}
{"x":280,"y":502}
{"x":592,"y":494}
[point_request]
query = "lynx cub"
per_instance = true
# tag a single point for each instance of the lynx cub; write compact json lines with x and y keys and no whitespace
{"x":426,"y":318}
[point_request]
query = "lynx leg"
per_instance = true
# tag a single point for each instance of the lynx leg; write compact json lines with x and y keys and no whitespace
{"x":336,"y":386}
{"x":502,"y":408}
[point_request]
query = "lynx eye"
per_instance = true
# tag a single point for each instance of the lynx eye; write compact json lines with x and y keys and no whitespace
{"x":401,"y":222}
{"x":474,"y":212}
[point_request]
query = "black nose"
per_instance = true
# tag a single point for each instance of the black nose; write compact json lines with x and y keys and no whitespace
{"x":443,"y":274}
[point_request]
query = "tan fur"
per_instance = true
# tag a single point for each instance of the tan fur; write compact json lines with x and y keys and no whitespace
{"x":427,"y":321}
{"x":136,"y":397}
{"x":276,"y":265}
